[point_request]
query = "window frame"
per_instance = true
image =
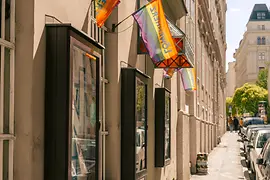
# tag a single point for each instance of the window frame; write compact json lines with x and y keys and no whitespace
{"x":259,"y":40}
{"x":261,"y":56}
{"x":259,"y":15}
{"x":263,"y":41}
{"x":263,"y":15}
{"x":7,"y":43}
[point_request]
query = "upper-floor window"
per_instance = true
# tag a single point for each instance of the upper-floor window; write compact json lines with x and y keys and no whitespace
{"x":263,"y":41}
{"x":261,"y":15}
{"x":261,"y":56}
{"x":259,"y":39}
{"x":261,"y":27}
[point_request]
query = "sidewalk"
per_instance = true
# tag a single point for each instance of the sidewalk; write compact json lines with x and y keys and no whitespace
{"x":224,"y":161}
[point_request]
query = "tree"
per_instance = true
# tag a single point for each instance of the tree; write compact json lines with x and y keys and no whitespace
{"x":262,"y":78}
{"x":246,"y":98}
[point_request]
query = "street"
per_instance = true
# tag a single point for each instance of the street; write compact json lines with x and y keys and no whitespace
{"x":226,"y":161}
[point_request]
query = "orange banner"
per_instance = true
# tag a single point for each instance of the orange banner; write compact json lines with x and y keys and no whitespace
{"x":104,"y":9}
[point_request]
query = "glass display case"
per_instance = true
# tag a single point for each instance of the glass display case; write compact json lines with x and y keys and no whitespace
{"x":71,"y":104}
{"x":162,"y":127}
{"x":133,"y":124}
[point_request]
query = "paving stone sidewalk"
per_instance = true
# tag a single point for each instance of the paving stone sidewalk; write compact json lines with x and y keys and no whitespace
{"x":224,"y":161}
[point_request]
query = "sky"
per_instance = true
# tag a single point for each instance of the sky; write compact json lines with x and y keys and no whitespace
{"x":238,"y":13}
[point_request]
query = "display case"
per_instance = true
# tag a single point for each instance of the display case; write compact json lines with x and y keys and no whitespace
{"x":133,"y":124}
{"x":71,"y":104}
{"x":162,"y":127}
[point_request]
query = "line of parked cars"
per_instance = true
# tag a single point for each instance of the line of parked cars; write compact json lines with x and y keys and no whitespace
{"x":255,"y":136}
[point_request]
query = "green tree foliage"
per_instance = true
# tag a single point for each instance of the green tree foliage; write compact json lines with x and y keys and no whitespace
{"x":246,"y":98}
{"x":262,"y":78}
{"x":228,"y":104}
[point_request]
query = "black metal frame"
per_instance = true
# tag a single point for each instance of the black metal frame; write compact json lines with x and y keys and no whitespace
{"x":57,"y":156}
{"x":128,"y":123}
{"x":160,"y":105}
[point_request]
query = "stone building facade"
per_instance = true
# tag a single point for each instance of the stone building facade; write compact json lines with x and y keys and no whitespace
{"x":231,"y":84}
{"x":254,"y":49}
{"x":52,"y":39}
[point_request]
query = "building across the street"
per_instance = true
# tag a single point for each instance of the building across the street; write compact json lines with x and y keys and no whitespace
{"x":82,"y":102}
{"x":231,"y":77}
{"x":254,"y":49}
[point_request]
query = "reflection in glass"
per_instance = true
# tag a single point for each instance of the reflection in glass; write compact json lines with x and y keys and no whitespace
{"x":167,"y":127}
{"x":83,"y":116}
{"x":140,"y":125}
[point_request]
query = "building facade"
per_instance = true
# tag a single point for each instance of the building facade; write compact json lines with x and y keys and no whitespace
{"x":231,"y":77}
{"x":254,"y":49}
{"x":79,"y":101}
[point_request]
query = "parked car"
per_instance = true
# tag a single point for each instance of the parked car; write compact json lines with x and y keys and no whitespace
{"x":263,"y":163}
{"x":250,"y":121}
{"x":246,"y":139}
{"x":252,"y":138}
{"x":256,"y":147}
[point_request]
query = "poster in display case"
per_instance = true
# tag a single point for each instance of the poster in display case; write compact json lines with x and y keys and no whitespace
{"x":71,"y":104}
{"x":162,"y":127}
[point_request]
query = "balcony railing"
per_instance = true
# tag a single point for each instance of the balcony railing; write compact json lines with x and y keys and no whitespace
{"x":95,"y":32}
{"x":189,"y":51}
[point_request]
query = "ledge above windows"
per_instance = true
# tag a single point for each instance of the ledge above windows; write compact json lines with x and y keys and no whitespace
{"x":175,"y":8}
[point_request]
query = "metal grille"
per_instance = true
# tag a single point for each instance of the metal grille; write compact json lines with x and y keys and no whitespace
{"x":7,"y":44}
{"x":95,"y":32}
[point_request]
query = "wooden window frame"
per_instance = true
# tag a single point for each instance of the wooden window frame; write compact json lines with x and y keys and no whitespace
{"x":7,"y":44}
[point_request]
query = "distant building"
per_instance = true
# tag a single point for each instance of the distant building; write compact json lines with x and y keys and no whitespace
{"x":230,"y":76}
{"x":254,"y":48}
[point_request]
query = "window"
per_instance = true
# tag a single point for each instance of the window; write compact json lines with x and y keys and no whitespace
{"x":263,"y":41}
{"x":7,"y":62}
{"x":261,"y":56}
{"x":259,"y":40}
{"x":263,"y":27}
{"x":261,"y":68}
{"x":259,"y":27}
{"x":263,"y":15}
{"x":262,"y":139}
{"x":259,"y":15}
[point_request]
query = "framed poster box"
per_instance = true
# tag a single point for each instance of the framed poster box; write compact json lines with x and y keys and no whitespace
{"x":71,"y":104}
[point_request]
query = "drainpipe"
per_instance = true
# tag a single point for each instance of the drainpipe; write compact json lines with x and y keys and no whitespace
{"x":104,"y":133}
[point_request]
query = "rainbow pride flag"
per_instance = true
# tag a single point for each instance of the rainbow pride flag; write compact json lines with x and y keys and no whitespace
{"x":104,"y":9}
{"x":168,"y":72}
{"x":188,"y":77}
{"x":155,"y":32}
